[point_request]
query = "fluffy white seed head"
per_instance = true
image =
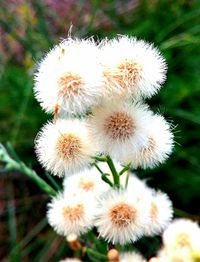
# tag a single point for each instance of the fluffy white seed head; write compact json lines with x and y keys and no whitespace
{"x":121,"y":216}
{"x":182,"y":233}
{"x":132,"y":257}
{"x":71,"y":214}
{"x":70,"y":260}
{"x":64,"y":147}
{"x":158,"y":147}
{"x":131,"y":67}
{"x":87,"y":181}
{"x":160,"y":213}
{"x":174,"y":255}
{"x":69,"y":77}
{"x":119,"y":130}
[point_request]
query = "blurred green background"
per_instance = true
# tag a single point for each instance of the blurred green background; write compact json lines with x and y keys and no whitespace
{"x":28,"y":29}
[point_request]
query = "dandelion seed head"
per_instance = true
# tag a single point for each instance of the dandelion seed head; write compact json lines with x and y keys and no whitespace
{"x":121,"y":217}
{"x":120,"y":130}
{"x":71,"y":214}
{"x":64,"y":147}
{"x":161,"y":213}
{"x":182,"y":233}
{"x":87,"y":181}
{"x":64,"y":81}
{"x":131,"y":68}
{"x":159,"y":144}
{"x":132,"y":257}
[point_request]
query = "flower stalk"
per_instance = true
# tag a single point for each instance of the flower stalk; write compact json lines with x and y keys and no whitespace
{"x":116,"y":177}
{"x":13,"y":165}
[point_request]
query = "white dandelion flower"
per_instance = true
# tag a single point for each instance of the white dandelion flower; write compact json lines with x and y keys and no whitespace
{"x":160,"y":213}
{"x":174,"y":255}
{"x":70,"y":260}
{"x":69,"y":77}
{"x":86,"y":181}
{"x":132,"y":67}
{"x":182,"y":233}
{"x":132,"y":257}
{"x":120,"y":130}
{"x":64,"y":147}
{"x":159,"y":146}
{"x":121,"y":217}
{"x":71,"y":214}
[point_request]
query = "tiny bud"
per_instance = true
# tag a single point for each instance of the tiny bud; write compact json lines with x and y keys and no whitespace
{"x":113,"y":255}
{"x":73,"y":241}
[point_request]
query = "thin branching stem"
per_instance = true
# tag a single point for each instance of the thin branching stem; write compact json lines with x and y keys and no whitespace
{"x":103,"y":175}
{"x":125,"y":168}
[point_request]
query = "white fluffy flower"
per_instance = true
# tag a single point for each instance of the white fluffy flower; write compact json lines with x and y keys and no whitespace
{"x":160,"y":213}
{"x":174,"y":255}
{"x":132,"y":67}
{"x":71,"y":214}
{"x":69,"y":77}
{"x":70,"y":260}
{"x":159,"y":146}
{"x":182,"y":233}
{"x":64,"y":147}
{"x":87,"y":181}
{"x":121,"y":217}
{"x":132,"y":257}
{"x":120,"y":130}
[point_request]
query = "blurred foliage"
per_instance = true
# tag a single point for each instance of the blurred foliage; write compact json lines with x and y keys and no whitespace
{"x":27,"y":30}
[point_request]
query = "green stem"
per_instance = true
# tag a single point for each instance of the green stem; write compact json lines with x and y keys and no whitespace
{"x":127,"y":167}
{"x":98,"y":168}
{"x":127,"y":178}
{"x":21,"y":167}
{"x":103,"y":176}
{"x":105,"y":179}
{"x":96,"y":254}
{"x":115,"y":174}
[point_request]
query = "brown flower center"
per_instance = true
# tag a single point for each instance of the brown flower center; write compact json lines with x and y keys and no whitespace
{"x":68,"y":146}
{"x":124,"y":73}
{"x":69,"y":84}
{"x":122,"y":215}
{"x":73,"y":213}
{"x":119,"y":125}
{"x":86,"y":185}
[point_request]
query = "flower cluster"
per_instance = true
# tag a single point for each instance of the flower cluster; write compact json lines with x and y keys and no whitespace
{"x":120,"y":215}
{"x":101,"y":129}
{"x":105,"y":84}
